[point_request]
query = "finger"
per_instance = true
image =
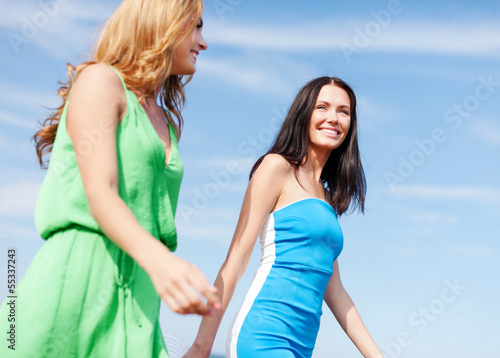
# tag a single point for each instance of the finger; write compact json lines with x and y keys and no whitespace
{"x":201,"y":284}
{"x":194,"y":299}
{"x":182,"y":300}
{"x":172,"y":304}
{"x":187,"y":298}
{"x":186,"y":295}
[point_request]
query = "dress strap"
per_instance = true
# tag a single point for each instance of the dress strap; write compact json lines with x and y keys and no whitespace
{"x":121,"y":78}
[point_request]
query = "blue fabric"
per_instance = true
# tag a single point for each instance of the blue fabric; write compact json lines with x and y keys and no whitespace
{"x":284,"y":318}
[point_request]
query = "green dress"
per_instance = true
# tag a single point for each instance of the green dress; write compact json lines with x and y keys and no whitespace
{"x":82,"y":296}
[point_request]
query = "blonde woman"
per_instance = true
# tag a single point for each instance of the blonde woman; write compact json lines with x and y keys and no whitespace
{"x":106,"y":207}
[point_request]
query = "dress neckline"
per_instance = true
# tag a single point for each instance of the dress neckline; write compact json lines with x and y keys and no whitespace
{"x":154,"y":134}
{"x":300,"y":201}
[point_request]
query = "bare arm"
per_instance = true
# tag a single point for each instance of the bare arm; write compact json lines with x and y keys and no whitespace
{"x":344,"y":310}
{"x":262,"y":193}
{"x":97,"y":103}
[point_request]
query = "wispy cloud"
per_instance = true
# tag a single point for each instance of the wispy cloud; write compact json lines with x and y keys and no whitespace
{"x":475,"y":252}
{"x":422,"y":37}
{"x":17,"y":121}
{"x":458,"y":192}
{"x":466,"y":39}
{"x":11,"y":233}
{"x":249,"y":74}
{"x":220,"y":163}
{"x":431,"y":217}
{"x":19,"y":152}
{"x":213,"y":225}
{"x":69,"y":29}
{"x":18,"y":199}
{"x":284,"y":37}
{"x":487,"y":130}
{"x":62,"y":30}
{"x":372,"y":113}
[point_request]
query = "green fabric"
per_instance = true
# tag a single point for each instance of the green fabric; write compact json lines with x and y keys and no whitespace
{"x":148,"y":188}
{"x":82,"y":296}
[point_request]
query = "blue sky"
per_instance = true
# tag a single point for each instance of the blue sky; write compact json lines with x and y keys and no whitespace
{"x":422,"y":263}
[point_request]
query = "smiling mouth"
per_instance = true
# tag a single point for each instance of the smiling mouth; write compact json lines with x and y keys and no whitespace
{"x":195,"y":54}
{"x":330,"y":132}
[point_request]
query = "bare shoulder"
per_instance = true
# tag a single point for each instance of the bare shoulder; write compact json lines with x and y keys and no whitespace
{"x":99,"y":85}
{"x":275,"y":165}
{"x":268,"y":182}
{"x":100,"y":80}
{"x":99,"y":73}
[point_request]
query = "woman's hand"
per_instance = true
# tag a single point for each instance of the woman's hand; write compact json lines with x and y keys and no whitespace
{"x":179,"y":283}
{"x":196,"y":352}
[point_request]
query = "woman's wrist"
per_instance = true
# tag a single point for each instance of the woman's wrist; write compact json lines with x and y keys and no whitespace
{"x":201,"y":350}
{"x":150,"y":246}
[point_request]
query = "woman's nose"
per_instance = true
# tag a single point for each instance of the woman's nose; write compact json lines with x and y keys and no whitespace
{"x":201,"y":42}
{"x":332,"y":118}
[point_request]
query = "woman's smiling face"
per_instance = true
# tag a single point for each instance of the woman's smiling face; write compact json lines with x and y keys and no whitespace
{"x":330,"y":119}
{"x":186,"y":53}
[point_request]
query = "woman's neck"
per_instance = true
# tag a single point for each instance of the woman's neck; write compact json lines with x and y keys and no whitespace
{"x":316,"y":161}
{"x":149,"y":101}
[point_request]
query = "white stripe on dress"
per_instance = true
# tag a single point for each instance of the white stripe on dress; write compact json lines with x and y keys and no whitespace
{"x":268,"y":249}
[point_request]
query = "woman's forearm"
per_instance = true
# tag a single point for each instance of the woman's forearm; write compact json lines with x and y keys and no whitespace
{"x":226,"y":282}
{"x":350,"y":320}
{"x":119,"y":224}
{"x":178,"y":282}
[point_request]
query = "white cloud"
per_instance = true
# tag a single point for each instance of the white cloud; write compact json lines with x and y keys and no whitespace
{"x":245,"y":73}
{"x":372,"y":113}
{"x":477,"y":252}
{"x":62,"y":30}
{"x":213,"y":224}
{"x":439,"y":38}
{"x":27,"y":98}
{"x":487,"y":130}
{"x":458,"y":192}
{"x":283,"y":38}
{"x":19,"y":152}
{"x":221,"y":163}
{"x":17,"y":11}
{"x":69,"y":28}
{"x":465,"y":39}
{"x":19,"y":198}
{"x":37,"y":12}
{"x":10,"y":233}
{"x":17,"y":121}
{"x":429,"y":217}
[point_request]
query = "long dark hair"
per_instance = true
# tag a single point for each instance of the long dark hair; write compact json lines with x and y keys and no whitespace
{"x":343,"y":176}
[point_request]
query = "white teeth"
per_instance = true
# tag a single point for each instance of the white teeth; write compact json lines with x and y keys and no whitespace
{"x":329,"y":131}
{"x":195,"y":55}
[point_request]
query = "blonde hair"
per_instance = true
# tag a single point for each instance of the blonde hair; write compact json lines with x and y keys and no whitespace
{"x":139,"y":41}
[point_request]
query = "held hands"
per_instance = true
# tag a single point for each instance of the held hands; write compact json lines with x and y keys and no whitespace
{"x":196,"y":352}
{"x":179,"y":283}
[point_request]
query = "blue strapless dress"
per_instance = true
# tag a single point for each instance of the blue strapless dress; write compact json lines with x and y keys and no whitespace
{"x":280,"y":315}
